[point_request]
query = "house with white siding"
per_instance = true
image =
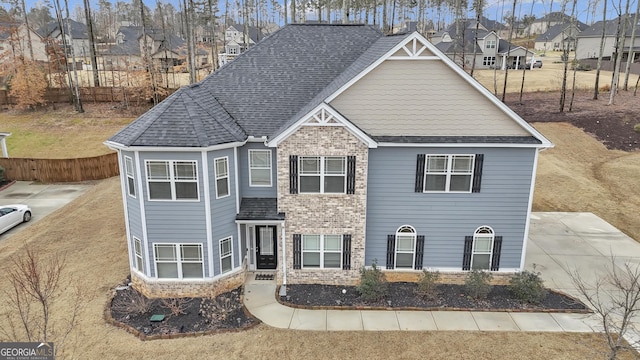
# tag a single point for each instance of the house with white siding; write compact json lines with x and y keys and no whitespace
{"x":320,"y":150}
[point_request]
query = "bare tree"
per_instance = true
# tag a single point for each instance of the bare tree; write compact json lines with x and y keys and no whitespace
{"x":601,"y":51}
{"x":620,"y":38}
{"x":506,"y":68}
{"x":92,"y":45}
{"x":634,"y":26}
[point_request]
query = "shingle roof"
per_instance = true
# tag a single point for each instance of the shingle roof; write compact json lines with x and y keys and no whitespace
{"x":470,"y":44}
{"x":459,"y":139}
{"x":78,"y":30}
{"x":259,"y":209}
{"x":555,"y":30}
{"x":611,"y":27}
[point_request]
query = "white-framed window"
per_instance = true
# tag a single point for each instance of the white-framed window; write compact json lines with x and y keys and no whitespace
{"x":488,"y":60}
{"x":259,"y":167}
{"x":131,"y":183}
{"x":137,"y":249}
{"x":405,"y":247}
{"x":226,"y":255}
{"x":322,"y":251}
{"x":179,"y":261}
{"x":482,"y":248}
{"x":490,"y":44}
{"x":448,"y":173}
{"x":172,"y":180}
{"x":323,"y":174}
{"x":222,"y":177}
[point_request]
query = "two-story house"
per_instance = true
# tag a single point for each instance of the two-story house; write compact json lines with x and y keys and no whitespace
{"x":559,"y":37}
{"x":14,"y":43}
{"x":237,"y":41}
{"x":320,"y":150}
{"x":74,"y":34}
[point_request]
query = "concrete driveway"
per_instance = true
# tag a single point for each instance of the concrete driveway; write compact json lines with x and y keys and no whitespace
{"x":42,"y":198}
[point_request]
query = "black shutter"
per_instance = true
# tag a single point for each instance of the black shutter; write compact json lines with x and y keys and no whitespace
{"x":391,"y":251}
{"x":351,"y":174}
{"x":477,"y":173}
{"x":297,"y":251}
{"x":293,"y":174}
{"x":468,"y":248}
{"x":346,"y":252}
{"x":419,"y":252}
{"x":420,"y":173}
{"x":495,"y":258}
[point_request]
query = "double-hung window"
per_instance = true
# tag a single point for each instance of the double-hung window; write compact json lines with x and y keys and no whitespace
{"x":448,"y":173}
{"x":323,"y":174}
{"x":172,"y":180}
{"x":226,"y":255}
{"x":322,"y":251}
{"x":259,"y":167}
{"x":179,"y":261}
{"x":137,"y":248}
{"x":491,"y":44}
{"x":131,"y":184}
{"x":482,"y":248}
{"x":405,"y":247}
{"x":222,"y":177}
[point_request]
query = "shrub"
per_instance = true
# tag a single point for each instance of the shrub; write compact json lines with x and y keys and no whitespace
{"x":478,"y":284}
{"x":177,"y":306}
{"x":216,"y":310}
{"x":131,"y":302}
{"x":373,"y":284}
{"x":636,"y":128}
{"x":427,"y":284}
{"x":527,"y":286}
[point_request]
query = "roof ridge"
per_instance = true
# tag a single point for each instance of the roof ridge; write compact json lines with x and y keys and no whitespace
{"x":224,"y":124}
{"x":167,"y":102}
{"x":196,"y":121}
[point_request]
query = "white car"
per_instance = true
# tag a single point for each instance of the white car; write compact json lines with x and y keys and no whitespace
{"x":12,"y":215}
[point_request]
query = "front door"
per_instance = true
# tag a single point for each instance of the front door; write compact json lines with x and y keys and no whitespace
{"x":266,"y":257}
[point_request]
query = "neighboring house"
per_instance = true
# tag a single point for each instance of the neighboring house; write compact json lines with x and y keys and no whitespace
{"x":76,"y":37}
{"x":235,"y":41}
{"x":322,"y":150}
{"x":539,"y":26}
{"x":489,"y":50}
{"x":559,"y":36}
{"x":14,"y":43}
{"x":588,"y":41}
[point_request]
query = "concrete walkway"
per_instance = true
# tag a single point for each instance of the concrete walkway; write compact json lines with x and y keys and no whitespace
{"x":580,"y":241}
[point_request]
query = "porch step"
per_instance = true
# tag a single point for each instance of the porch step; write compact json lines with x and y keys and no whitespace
{"x":265,"y":276}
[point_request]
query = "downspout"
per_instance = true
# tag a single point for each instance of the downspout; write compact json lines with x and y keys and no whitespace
{"x":283,"y":288}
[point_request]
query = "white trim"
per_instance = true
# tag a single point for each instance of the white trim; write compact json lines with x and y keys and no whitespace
{"x":152,"y":280}
{"x":414,"y":58}
{"x":448,"y":173}
{"x":321,"y":251}
{"x":447,"y":270}
{"x":321,"y":174}
{"x":413,"y":251}
{"x":114,"y":146}
{"x":130,"y":176}
{"x":283,"y":288}
{"x":126,"y":210}
{"x":207,"y":210}
{"x":528,"y":221}
{"x":326,"y":108}
{"x":135,"y":254}
{"x":236,"y":180}
{"x":143,"y":215}
{"x":179,"y":262}
{"x":230,"y":238}
{"x":172,"y":179}
{"x":490,"y":251}
{"x":462,"y":145}
{"x":239,"y":241}
{"x":270,"y":166}
{"x":260,"y":222}
{"x":215,"y":176}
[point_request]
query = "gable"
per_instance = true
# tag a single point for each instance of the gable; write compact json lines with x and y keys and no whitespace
{"x":422,"y":98}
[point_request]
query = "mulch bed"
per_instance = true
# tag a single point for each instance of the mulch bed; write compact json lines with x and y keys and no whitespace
{"x":402,"y":295}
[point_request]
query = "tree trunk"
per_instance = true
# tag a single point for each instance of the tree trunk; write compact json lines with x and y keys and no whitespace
{"x":92,"y":45}
{"x":601,"y":51}
{"x":26,"y":23}
{"x":575,"y":56}
{"x":506,"y":69}
{"x":73,"y":59}
{"x":631,"y":47}
{"x":619,"y":50}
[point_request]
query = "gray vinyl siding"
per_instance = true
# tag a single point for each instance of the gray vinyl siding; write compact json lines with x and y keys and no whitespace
{"x":223,"y":210}
{"x":243,"y":173}
{"x":133,"y":205}
{"x":445,"y":219}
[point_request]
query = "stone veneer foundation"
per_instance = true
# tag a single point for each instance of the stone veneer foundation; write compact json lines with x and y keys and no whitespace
{"x":323,"y":214}
{"x":185,"y":288}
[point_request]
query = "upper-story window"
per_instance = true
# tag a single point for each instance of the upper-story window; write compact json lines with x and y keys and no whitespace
{"x":323,"y":174}
{"x":222,"y":176}
{"x":490,"y":44}
{"x":448,"y":173}
{"x":259,"y":167}
{"x":131,"y":184}
{"x":172,"y":180}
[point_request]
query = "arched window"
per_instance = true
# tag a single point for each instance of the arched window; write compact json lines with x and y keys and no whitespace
{"x":482,"y":248}
{"x":405,"y":247}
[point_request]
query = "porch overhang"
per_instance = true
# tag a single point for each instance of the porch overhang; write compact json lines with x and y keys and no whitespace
{"x":255,"y":210}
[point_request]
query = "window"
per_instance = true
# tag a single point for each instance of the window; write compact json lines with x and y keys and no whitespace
{"x":489,"y":60}
{"x":482,"y":248}
{"x":172,"y":180}
{"x":259,"y":167}
{"x":405,"y":247}
{"x":448,"y":173}
{"x":226,"y":255}
{"x":322,"y":251}
{"x":222,"y":177}
{"x":128,"y":168}
{"x":490,"y":44}
{"x":179,"y":261}
{"x":323,"y":174}
{"x":137,"y":248}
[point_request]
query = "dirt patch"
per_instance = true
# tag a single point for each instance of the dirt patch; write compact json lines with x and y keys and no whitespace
{"x":404,"y":295}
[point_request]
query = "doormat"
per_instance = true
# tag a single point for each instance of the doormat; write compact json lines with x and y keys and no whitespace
{"x":265,"y":276}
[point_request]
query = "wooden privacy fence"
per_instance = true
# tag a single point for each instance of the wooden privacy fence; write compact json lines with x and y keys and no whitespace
{"x":90,"y":95}
{"x":61,"y":170}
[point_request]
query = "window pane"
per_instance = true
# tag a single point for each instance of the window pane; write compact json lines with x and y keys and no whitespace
{"x":334,"y":184}
{"x":159,"y":190}
{"x":436,"y":163}
{"x":221,"y":167}
{"x":435,"y":182}
{"x":460,"y":183}
{"x":332,"y":260}
{"x":192,"y":270}
{"x":404,"y":260}
{"x":261,"y":177}
{"x":266,"y":246}
{"x":158,"y":170}
{"x":482,"y":244}
{"x":167,"y":270}
{"x":139,"y":264}
{"x":332,"y":242}
{"x":132,"y":187}
{"x":184,"y":170}
{"x":480,"y":262}
{"x":462,"y":164}
{"x":166,"y":252}
{"x":311,"y":259}
{"x":225,"y":247}
{"x":222,"y":188}
{"x":334,"y":165}
{"x":311,"y":242}
{"x":260,"y":159}
{"x":191,"y":252}
{"x":138,"y":246}
{"x":226,"y":264}
{"x":310,"y":165}
{"x":405,"y":243}
{"x":309,"y":184}
{"x":186,"y":190}
{"x":128,"y":164}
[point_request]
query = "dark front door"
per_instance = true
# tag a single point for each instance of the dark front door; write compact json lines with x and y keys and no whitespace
{"x":266,"y":254}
